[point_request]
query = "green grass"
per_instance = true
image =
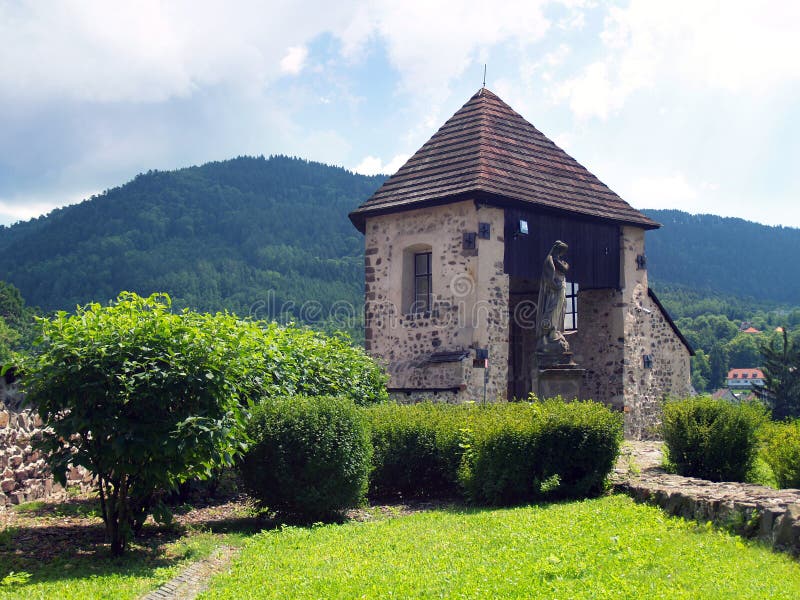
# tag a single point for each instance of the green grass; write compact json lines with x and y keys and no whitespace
{"x":603,"y":548}
{"x":99,"y":575}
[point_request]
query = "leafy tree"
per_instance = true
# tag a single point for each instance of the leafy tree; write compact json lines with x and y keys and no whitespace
{"x":141,"y":397}
{"x":701,"y":371}
{"x":781,"y":367}
{"x":718,"y":363}
{"x":7,"y":338}
{"x":743,"y":351}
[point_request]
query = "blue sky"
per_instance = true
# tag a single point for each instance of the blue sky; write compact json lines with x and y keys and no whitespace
{"x":687,"y":105}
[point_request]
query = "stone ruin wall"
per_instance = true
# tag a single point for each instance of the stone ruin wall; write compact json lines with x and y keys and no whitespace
{"x":470,"y":301}
{"x":24,"y":475}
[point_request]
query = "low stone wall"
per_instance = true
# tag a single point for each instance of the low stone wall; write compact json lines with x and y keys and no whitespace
{"x":753,"y":511}
{"x":24,"y":475}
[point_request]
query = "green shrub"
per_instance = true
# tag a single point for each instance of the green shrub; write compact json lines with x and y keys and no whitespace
{"x":310,"y":456}
{"x":297,"y":361}
{"x":781,"y":451}
{"x":528,"y":451}
{"x":417,"y":449}
{"x":579,"y":443}
{"x":712,"y":439}
{"x":141,"y":397}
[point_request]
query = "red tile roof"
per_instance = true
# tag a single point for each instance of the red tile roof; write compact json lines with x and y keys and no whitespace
{"x":745,"y":374}
{"x":488,"y":151}
{"x":751,"y":330}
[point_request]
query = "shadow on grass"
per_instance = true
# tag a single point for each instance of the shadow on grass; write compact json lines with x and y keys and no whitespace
{"x":56,"y":552}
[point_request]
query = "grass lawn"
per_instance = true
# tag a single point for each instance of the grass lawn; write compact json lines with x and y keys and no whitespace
{"x":58,"y":550}
{"x":602,"y":548}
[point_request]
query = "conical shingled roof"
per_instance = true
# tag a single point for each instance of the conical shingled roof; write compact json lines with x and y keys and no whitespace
{"x":487,"y":151}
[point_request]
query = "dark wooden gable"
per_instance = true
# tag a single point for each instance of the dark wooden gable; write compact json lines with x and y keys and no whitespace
{"x":594,"y":247}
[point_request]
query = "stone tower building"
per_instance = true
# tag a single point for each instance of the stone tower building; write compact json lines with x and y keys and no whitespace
{"x":455,"y":242}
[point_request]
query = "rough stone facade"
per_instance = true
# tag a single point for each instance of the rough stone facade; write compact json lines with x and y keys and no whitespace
{"x":617,"y":330}
{"x":630,"y":352}
{"x":469,"y":308}
{"x":24,"y":475}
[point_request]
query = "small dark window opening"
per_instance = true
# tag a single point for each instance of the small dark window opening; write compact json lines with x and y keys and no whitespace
{"x":648,"y":361}
{"x":469,"y":240}
{"x":571,"y":307}
{"x":422,"y":282}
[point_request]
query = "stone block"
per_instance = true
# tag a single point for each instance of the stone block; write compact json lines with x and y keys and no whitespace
{"x":7,"y":485}
{"x":786,"y":533}
{"x":4,"y":418}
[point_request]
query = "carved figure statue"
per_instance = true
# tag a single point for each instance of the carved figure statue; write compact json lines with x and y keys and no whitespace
{"x":550,"y":338}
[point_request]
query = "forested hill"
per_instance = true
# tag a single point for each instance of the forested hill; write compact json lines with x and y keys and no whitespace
{"x":271,"y":238}
{"x":251,"y":235}
{"x":718,"y":256}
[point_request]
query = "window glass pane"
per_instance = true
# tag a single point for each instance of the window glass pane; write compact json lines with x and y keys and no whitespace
{"x":422,"y":263}
{"x":422,"y":288}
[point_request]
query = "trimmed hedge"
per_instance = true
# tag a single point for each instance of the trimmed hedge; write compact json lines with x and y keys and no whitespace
{"x":781,"y":451}
{"x":310,"y":456}
{"x":503,"y":453}
{"x":712,"y":439}
{"x":549,"y":449}
{"x":417,"y":449}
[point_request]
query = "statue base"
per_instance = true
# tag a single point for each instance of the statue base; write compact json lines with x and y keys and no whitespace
{"x":560,"y":380}
{"x":560,"y":360}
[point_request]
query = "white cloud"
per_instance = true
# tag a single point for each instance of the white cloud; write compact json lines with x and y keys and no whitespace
{"x":592,"y":94}
{"x":372,"y":165}
{"x":152,"y":51}
{"x":11,"y":211}
{"x":294,"y":60}
{"x":673,"y":191}
{"x":735,"y":46}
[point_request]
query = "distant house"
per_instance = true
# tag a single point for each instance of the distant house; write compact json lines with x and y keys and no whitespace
{"x":729,"y":395}
{"x":744,"y":378}
{"x":750,"y":330}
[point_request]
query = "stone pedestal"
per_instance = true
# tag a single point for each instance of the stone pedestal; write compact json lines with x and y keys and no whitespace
{"x":560,"y":380}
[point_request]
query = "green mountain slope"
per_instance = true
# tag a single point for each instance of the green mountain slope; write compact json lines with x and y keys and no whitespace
{"x":717,"y":257}
{"x":252,"y":235}
{"x":271,"y":238}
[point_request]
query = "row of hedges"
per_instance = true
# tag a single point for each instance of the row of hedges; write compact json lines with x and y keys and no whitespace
{"x":312,"y":456}
{"x":722,"y":441}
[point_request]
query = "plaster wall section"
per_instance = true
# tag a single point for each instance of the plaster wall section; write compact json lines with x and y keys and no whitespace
{"x":469,"y":299}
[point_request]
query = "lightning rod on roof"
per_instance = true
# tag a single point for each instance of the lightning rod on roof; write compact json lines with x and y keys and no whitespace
{"x":484,"y":75}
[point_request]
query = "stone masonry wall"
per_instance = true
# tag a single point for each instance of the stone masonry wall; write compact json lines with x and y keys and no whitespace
{"x":599,"y":346}
{"x":23,"y":472}
{"x":616,"y":329}
{"x":470,"y":300}
{"x":24,"y":475}
{"x":647,"y":332}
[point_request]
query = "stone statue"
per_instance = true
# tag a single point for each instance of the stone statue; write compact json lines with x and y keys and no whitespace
{"x":551,"y":344}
